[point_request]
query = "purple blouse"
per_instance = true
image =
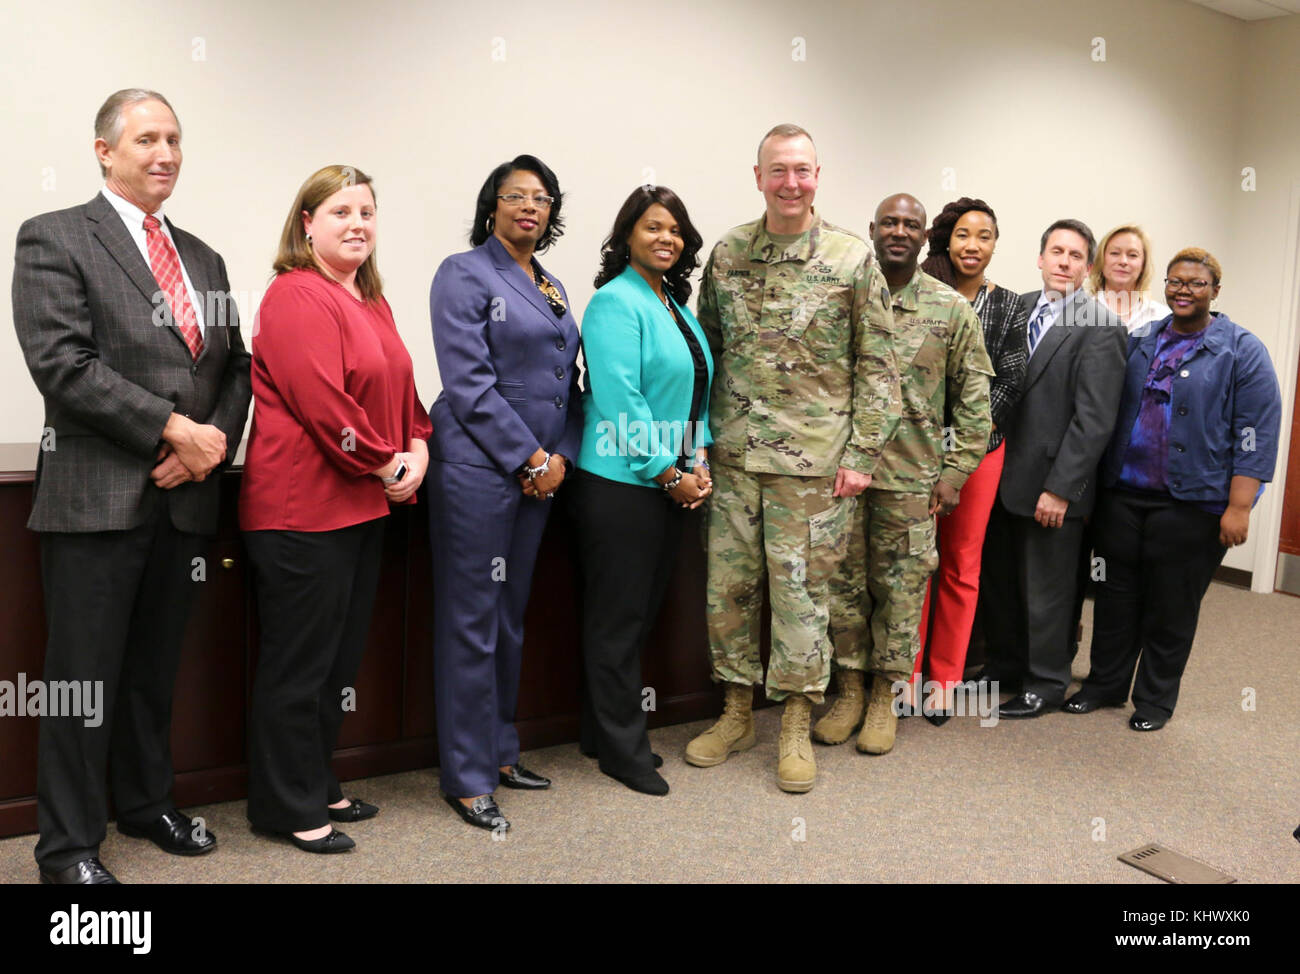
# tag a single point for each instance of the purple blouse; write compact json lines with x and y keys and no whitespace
{"x":1147,"y":456}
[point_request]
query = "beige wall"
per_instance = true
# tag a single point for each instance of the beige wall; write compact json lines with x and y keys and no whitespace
{"x":1005,"y":94}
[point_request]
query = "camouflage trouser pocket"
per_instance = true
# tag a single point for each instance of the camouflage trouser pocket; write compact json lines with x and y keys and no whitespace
{"x":830,"y":528}
{"x":921,"y":539}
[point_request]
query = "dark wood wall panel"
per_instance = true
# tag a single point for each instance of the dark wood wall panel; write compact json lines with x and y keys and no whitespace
{"x":1289,"y":543}
{"x":393,"y":727}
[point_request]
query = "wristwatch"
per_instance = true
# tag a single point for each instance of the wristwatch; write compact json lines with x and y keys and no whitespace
{"x":398,"y":474}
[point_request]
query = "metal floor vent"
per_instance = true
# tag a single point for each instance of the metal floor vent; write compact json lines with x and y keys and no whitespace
{"x":1174,"y":867}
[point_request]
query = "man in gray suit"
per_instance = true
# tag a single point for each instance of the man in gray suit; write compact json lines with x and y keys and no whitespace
{"x":1055,"y":439}
{"x":130,"y":333}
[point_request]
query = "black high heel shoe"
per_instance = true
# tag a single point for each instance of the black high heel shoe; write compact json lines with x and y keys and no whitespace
{"x":358,"y":811}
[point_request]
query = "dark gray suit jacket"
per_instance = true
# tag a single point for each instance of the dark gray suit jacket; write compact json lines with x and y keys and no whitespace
{"x":1059,"y":430}
{"x":112,"y":369}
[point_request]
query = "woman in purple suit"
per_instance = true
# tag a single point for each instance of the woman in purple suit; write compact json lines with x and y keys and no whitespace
{"x":507,"y":425}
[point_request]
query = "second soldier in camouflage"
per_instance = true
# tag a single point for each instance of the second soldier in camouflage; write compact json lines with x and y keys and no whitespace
{"x":878,"y":594}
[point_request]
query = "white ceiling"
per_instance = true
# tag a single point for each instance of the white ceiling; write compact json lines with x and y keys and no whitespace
{"x":1252,"y":9}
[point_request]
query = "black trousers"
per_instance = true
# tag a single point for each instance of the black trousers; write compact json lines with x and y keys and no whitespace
{"x":1160,"y":557}
{"x":1030,"y":580}
{"x":315,"y":595}
{"x":627,"y":541}
{"x":116,"y":604}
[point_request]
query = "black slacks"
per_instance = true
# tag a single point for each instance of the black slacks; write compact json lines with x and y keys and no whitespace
{"x":1030,"y":582}
{"x":1160,"y":557}
{"x":315,"y":595}
{"x":627,"y":542}
{"x":116,"y":604}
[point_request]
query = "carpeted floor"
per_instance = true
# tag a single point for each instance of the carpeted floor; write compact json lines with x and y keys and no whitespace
{"x":1053,"y":800}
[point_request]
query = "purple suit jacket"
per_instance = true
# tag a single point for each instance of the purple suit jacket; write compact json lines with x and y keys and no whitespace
{"x":508,"y":364}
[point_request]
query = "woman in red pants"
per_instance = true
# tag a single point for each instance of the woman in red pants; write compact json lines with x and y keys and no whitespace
{"x":962,"y":240}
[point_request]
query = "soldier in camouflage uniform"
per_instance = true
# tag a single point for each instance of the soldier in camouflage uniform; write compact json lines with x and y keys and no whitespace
{"x":804,"y":399}
{"x":878,"y":595}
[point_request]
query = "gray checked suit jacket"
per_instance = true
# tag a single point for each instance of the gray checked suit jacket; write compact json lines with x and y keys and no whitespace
{"x":112,"y":369}
{"x":1059,"y":429}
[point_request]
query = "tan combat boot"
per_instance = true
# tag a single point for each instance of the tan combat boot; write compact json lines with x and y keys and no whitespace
{"x":877,"y":735}
{"x":733,"y":732}
{"x":845,"y":716}
{"x":796,"y":770}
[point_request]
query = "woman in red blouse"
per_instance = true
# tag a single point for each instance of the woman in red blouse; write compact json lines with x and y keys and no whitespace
{"x":338,"y":434}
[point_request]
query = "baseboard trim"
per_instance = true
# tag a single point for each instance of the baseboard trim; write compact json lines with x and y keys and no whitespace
{"x":1233,"y":576}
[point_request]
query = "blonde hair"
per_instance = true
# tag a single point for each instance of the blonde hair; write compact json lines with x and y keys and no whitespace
{"x":295,"y":249}
{"x":1198,"y":255}
{"x":1096,"y":279}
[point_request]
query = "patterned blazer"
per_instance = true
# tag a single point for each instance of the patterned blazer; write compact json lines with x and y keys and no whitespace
{"x":112,"y":370}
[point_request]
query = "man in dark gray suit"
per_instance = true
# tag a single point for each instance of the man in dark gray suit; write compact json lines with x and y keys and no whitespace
{"x":129,"y":330}
{"x":1055,"y":439}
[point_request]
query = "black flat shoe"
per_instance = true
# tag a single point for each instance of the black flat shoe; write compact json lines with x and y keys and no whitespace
{"x":1138,"y":723}
{"x":659,"y":762}
{"x":1079,"y":704}
{"x":358,"y":811}
{"x":483,"y":814}
{"x":650,"y":783}
{"x":172,"y":832}
{"x":521,"y":777}
{"x":939,"y":717}
{"x":336,"y":841}
{"x":87,"y":872}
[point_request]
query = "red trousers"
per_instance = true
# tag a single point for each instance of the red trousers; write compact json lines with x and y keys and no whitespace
{"x":955,"y":586}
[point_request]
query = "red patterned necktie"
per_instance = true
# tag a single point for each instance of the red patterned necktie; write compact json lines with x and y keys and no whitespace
{"x":167,"y":272}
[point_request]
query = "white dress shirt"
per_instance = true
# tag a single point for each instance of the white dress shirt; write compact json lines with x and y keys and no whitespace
{"x":1141,"y":311}
{"x":133,"y":217}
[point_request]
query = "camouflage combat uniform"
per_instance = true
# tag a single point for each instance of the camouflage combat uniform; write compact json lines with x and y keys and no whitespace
{"x":945,"y":370}
{"x":806,"y":383}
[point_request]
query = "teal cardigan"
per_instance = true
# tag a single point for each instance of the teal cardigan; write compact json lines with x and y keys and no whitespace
{"x":640,"y":377}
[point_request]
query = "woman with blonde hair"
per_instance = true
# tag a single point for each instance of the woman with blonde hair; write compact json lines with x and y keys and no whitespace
{"x":1122,"y":274}
{"x":338,"y":434}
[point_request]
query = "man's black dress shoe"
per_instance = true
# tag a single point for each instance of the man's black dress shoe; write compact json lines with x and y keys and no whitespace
{"x":358,"y":811}
{"x":336,"y":841}
{"x":88,"y":872}
{"x":172,"y":832}
{"x":483,"y":813}
{"x":1080,"y":704}
{"x":521,"y":777}
{"x":650,"y":783}
{"x":1028,"y":704}
{"x":659,"y":762}
{"x":1140,"y":723}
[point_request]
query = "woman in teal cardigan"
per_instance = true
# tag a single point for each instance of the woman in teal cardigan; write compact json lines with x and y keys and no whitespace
{"x":643,"y":463}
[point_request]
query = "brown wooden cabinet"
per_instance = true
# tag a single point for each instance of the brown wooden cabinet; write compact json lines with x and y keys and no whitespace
{"x":393,"y":726}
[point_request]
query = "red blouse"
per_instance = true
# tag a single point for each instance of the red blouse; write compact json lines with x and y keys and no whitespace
{"x":335,"y":399}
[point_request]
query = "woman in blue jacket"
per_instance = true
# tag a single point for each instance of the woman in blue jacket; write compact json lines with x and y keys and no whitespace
{"x":1195,"y":441}
{"x":505,"y":428}
{"x":644,"y":462}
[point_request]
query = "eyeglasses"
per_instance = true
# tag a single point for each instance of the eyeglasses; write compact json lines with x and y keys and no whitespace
{"x":517,"y":199}
{"x":1173,"y":285}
